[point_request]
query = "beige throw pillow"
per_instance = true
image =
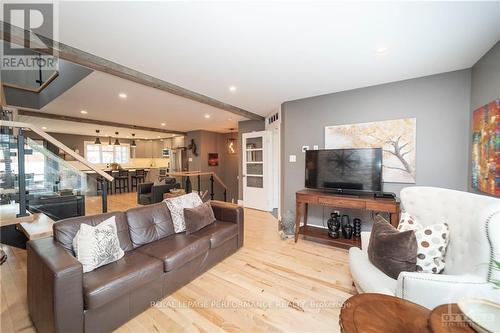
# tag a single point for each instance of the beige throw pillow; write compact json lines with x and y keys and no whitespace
{"x":431,"y":243}
{"x":97,"y":246}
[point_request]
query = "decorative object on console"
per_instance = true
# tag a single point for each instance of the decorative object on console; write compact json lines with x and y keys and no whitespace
{"x":346,"y":227}
{"x":176,"y":206}
{"x":432,"y":241}
{"x":486,"y":148}
{"x":213,"y":159}
{"x":288,"y":222}
{"x":357,"y":227}
{"x":396,"y":137}
{"x":97,"y":246}
{"x":390,"y":250}
{"x":333,"y":224}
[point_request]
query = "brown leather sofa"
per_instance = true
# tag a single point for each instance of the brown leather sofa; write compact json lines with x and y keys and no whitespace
{"x":156,"y":263}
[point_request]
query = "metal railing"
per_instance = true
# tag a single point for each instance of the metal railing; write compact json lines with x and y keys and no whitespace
{"x":198,"y":174}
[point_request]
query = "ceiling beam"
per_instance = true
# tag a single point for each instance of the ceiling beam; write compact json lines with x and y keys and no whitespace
{"x":14,"y":34}
{"x":28,"y":113}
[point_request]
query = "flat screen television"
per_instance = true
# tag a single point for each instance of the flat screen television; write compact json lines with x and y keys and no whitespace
{"x":344,"y":170}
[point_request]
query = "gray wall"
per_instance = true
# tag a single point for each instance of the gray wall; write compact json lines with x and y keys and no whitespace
{"x":211,"y":142}
{"x":441,"y":104}
{"x":246,"y":126}
{"x":485,"y":85}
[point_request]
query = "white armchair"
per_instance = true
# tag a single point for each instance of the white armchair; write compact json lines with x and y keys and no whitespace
{"x":474,"y":222}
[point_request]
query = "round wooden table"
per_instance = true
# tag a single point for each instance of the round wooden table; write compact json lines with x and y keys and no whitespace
{"x":374,"y":313}
{"x":448,"y":318}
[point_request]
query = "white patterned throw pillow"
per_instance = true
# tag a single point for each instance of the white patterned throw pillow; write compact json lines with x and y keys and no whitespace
{"x":176,"y":206}
{"x":97,"y":246}
{"x":431,"y":243}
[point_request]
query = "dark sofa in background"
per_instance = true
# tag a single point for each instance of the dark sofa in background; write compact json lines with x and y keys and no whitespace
{"x":157,"y":262}
{"x":149,"y":193}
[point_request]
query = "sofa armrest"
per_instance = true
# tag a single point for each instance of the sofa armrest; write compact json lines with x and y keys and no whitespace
{"x":431,"y":290}
{"x":55,"y":287}
{"x":229,"y":212}
{"x":365,"y":240}
{"x":157,"y":191}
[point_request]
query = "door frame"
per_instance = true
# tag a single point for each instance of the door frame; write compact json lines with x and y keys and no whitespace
{"x":267,"y":171}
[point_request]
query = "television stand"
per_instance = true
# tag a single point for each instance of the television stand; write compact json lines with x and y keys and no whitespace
{"x":366,"y":202}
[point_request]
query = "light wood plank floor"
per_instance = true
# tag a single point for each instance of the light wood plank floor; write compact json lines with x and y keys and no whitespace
{"x":269,"y":285}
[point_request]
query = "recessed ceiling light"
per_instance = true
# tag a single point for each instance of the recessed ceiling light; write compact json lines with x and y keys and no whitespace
{"x":158,"y":136}
{"x":207,"y":116}
{"x":44,"y":128}
{"x":382,"y":50}
{"x":83,"y":112}
{"x":162,"y":124}
{"x":122,"y":95}
{"x":232,"y":88}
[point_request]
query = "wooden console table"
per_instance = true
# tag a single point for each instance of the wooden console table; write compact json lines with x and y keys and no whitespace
{"x":365,"y":202}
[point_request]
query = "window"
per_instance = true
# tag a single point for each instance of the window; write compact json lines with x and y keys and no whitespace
{"x":104,"y":154}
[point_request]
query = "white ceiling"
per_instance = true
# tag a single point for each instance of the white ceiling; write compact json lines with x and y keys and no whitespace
{"x":70,"y":127}
{"x":278,"y":51}
{"x":144,"y":106}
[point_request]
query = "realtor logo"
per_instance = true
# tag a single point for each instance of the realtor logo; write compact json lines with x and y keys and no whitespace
{"x":37,"y":21}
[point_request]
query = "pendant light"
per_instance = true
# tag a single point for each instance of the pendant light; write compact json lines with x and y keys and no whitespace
{"x":133,"y":141}
{"x":97,"y":140}
{"x":231,"y":143}
{"x":117,"y":143}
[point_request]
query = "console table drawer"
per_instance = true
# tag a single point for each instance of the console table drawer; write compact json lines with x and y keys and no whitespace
{"x":388,"y":207}
{"x":338,"y":202}
{"x":303,"y":198}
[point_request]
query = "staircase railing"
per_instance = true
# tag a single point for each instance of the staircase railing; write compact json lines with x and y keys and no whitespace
{"x":22,"y":141}
{"x":198,"y":174}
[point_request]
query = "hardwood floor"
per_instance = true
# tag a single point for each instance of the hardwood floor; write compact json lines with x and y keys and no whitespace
{"x":269,"y":285}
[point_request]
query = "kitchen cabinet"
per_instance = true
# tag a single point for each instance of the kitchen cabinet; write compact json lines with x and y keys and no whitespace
{"x":149,"y":149}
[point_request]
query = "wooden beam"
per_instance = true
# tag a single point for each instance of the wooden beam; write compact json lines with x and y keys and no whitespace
{"x":95,"y":122}
{"x":17,"y":35}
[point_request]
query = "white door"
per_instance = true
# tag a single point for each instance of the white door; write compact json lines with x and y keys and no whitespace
{"x":257,"y":170}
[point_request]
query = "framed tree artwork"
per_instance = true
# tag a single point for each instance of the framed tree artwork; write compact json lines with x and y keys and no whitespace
{"x":397,"y":138}
{"x":486,"y":148}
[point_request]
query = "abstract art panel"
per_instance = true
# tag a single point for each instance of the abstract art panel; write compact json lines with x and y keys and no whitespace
{"x":396,"y":137}
{"x":486,"y":148}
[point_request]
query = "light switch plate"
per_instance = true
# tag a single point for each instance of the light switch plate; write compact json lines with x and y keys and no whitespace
{"x":305,"y":148}
{"x":292,"y":158}
{"x":315,"y":147}
{"x":190,"y":159}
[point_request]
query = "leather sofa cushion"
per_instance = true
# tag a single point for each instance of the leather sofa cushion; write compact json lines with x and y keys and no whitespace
{"x":150,"y":223}
{"x":65,"y":230}
{"x":118,"y":278}
{"x":198,"y":217}
{"x":218,"y":232}
{"x":176,"y":250}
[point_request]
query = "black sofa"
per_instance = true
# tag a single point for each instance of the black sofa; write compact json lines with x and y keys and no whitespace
{"x":149,"y":193}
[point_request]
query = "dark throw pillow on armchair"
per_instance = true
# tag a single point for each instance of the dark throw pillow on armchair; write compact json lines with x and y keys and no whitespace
{"x":390,"y":250}
{"x":198,"y":217}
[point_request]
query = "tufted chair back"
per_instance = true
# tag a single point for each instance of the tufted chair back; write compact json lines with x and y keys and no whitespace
{"x":470,"y":249}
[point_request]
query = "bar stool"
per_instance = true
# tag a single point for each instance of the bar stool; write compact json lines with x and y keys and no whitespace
{"x":101,"y":181}
{"x":137,"y":177}
{"x":121,"y":181}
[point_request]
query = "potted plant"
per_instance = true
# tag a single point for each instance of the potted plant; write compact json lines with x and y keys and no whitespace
{"x":115,"y":166}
